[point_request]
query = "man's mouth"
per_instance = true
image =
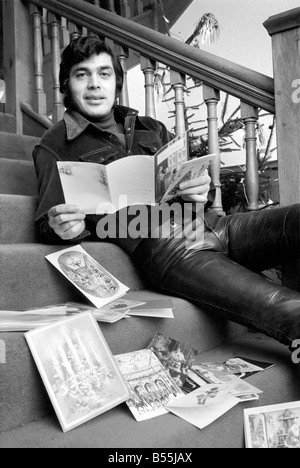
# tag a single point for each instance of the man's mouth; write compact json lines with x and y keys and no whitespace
{"x":94,"y":98}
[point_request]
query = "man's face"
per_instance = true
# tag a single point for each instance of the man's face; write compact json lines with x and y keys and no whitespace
{"x":92,"y":85}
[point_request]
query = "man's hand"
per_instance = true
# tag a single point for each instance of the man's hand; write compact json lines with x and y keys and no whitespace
{"x":195,"y":190}
{"x":66,"y":221}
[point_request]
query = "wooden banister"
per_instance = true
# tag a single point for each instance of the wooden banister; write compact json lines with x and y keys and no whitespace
{"x":251,"y":87}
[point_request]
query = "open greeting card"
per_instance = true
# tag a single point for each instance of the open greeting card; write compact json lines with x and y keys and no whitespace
{"x":87,"y":275}
{"x":204,"y":406}
{"x":211,"y":401}
{"x":138,"y":180}
{"x":78,"y":369}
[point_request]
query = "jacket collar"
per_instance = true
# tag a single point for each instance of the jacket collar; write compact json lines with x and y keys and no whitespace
{"x":76,"y":123}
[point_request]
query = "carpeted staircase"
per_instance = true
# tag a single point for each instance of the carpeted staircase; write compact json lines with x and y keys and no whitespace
{"x":27,"y":280}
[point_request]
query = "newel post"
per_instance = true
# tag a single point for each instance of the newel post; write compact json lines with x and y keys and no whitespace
{"x":285,"y":32}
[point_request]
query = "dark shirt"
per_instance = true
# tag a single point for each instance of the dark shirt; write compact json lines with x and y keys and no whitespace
{"x":77,"y":139}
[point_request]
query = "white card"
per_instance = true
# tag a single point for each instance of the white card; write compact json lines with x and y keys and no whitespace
{"x":87,"y":275}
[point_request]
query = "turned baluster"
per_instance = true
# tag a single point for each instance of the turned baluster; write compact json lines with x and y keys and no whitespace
{"x":97,"y":3}
{"x":125,"y":9}
{"x":148,"y":67}
{"x":211,"y":97}
{"x":65,"y":34}
{"x":178,"y":82}
{"x":39,"y":103}
{"x":111,"y":6}
{"x":156,"y":16}
{"x":123,"y":54}
{"x":45,"y":33}
{"x":74,"y":30}
{"x":249,"y":116}
{"x":139,"y":7}
{"x":58,"y":108}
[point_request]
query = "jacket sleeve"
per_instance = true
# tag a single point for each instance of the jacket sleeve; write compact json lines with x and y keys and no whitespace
{"x":50,"y":194}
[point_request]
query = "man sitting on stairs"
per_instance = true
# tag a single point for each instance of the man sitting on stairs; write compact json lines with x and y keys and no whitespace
{"x":221,"y":275}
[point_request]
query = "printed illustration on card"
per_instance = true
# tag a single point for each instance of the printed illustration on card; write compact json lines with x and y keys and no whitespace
{"x":96,"y":283}
{"x":175,"y":356}
{"x":274,"y":426}
{"x":77,"y":369}
{"x":151,"y":385}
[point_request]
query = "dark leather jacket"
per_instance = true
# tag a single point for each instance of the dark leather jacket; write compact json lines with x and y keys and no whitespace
{"x":76,"y":139}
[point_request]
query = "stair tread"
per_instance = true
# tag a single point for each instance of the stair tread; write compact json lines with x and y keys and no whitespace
{"x":117,"y":428}
{"x":18,"y":177}
{"x":7,"y":123}
{"x":22,"y":146}
{"x":17,"y":219}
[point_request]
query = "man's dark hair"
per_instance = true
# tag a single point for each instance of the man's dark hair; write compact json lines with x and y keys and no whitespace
{"x":79,"y":50}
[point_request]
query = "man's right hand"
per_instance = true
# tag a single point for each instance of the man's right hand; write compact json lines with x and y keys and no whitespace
{"x":67,"y":221}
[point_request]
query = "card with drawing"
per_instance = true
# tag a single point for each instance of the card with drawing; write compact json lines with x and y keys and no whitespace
{"x":150,"y":383}
{"x":205,"y":405}
{"x":87,"y":275}
{"x":177,"y":357}
{"x":77,"y":368}
{"x":273,"y":426}
{"x":243,"y":367}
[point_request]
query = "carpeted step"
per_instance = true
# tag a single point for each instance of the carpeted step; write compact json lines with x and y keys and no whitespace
{"x":7,"y":123}
{"x":18,"y":147}
{"x":17,"y":214}
{"x":18,"y":178}
{"x":22,"y":394}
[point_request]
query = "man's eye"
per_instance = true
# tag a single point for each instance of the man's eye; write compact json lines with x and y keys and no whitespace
{"x":105,"y":74}
{"x":80,"y":75}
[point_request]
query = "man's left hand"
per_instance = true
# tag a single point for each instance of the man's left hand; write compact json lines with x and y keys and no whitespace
{"x":195,"y":190}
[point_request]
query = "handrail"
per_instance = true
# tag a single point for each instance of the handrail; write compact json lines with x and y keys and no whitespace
{"x":42,"y":120}
{"x":250,"y":86}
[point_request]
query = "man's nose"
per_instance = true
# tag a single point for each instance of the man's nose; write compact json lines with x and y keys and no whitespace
{"x":94,"y":82}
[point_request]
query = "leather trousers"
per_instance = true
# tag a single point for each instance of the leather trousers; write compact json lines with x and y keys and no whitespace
{"x":223,"y":275}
